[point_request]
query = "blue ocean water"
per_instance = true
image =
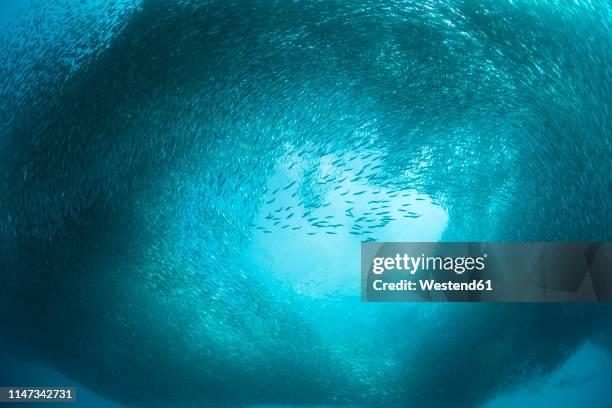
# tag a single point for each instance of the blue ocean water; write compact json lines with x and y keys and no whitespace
{"x":184,"y":187}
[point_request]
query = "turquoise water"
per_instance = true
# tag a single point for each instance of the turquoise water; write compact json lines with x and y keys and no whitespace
{"x":184,"y":187}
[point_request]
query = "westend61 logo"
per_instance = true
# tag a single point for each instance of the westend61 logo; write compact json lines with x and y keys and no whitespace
{"x":412,"y":264}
